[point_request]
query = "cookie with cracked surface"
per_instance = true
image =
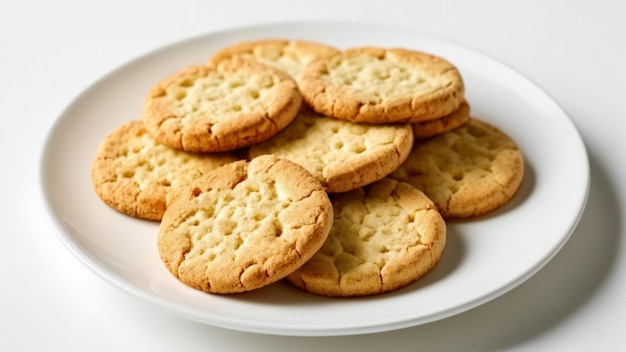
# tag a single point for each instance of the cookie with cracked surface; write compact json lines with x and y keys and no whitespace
{"x":340,"y":154}
{"x":376,"y":85}
{"x":384,"y":236}
{"x":134,"y":174}
{"x":442,"y":124}
{"x":221,"y":106}
{"x":291,"y":56}
{"x":468,"y":171}
{"x":244,"y":226}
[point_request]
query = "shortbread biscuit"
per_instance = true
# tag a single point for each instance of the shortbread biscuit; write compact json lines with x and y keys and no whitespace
{"x":376,"y":85}
{"x":443,"y":124}
{"x":384,"y":236}
{"x":468,"y":171}
{"x":221,"y":106}
{"x":244,"y":226}
{"x":341,"y":155}
{"x":134,"y":174}
{"x":291,"y":56}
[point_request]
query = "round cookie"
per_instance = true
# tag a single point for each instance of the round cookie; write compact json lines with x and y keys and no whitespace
{"x":244,"y":226}
{"x":443,"y":124}
{"x":291,"y":56}
{"x":384,"y":236}
{"x":376,"y":85}
{"x":134,"y":174}
{"x":468,"y":171}
{"x":340,"y":154}
{"x":221,"y":106}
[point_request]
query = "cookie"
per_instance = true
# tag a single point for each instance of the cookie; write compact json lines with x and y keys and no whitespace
{"x":443,"y":124}
{"x":244,"y":226}
{"x":376,"y":85}
{"x":291,"y":56}
{"x":134,"y":174}
{"x":468,"y":171}
{"x":221,"y":106}
{"x":384,"y":236}
{"x":340,"y":154}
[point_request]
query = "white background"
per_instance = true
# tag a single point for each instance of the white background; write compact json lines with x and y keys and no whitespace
{"x":51,"y":50}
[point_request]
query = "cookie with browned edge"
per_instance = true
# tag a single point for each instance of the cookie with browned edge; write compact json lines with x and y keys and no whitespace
{"x":342,"y":155}
{"x":385,"y":236}
{"x":377,"y":85}
{"x":134,"y":174}
{"x":468,"y":171}
{"x":244,"y":226}
{"x":442,"y":124}
{"x":291,"y":56}
{"x":221,"y":106}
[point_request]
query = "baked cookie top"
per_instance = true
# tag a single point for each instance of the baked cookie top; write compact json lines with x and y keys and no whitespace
{"x":377,"y":85}
{"x":134,"y":174}
{"x":291,"y":56}
{"x":384,"y":236}
{"x":442,"y":124}
{"x":340,"y":154}
{"x":221,"y":106}
{"x":244,"y":226}
{"x":468,"y":171}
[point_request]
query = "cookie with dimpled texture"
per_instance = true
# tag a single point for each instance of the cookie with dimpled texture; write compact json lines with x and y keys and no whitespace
{"x":342,"y":155}
{"x":290,"y":56}
{"x":134,"y":174}
{"x":468,"y":171}
{"x":221,"y":106}
{"x":384,"y":236}
{"x":442,"y":124}
{"x":244,"y":226}
{"x":377,"y":85}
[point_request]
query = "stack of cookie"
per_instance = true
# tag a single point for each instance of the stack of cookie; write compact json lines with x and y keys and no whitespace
{"x":335,"y":170}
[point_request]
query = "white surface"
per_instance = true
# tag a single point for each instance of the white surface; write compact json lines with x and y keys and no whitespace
{"x":51,"y":51}
{"x":484,"y":258}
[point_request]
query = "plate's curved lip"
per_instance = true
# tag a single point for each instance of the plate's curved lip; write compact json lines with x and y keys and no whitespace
{"x":286,"y":329}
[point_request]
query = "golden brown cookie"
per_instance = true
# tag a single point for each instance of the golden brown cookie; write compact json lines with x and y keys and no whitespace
{"x":376,"y":85}
{"x":291,"y":56}
{"x":384,"y":236}
{"x":442,"y":124}
{"x":468,"y":171}
{"x":341,"y":155}
{"x":134,"y":174}
{"x":221,"y":106}
{"x":244,"y":226}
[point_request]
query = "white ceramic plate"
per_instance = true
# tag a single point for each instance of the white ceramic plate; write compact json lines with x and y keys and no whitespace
{"x":484,"y":258}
